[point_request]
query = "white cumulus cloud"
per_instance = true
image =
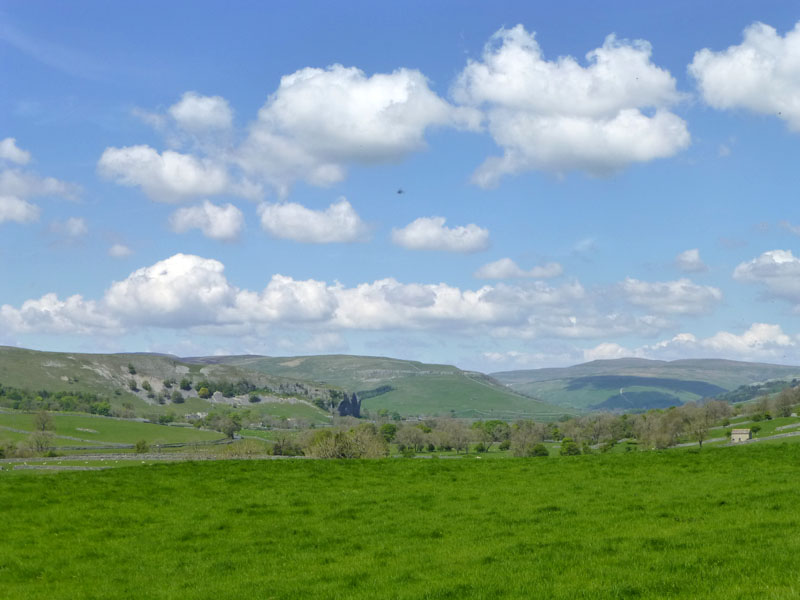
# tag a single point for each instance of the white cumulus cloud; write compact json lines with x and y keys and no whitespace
{"x":180,"y":290}
{"x":337,"y":223}
{"x":759,"y":342}
{"x":18,"y":186}
{"x":17,"y":210}
{"x":197,"y":113}
{"x":689,"y":261}
{"x":559,"y":115}
{"x":430,"y":233}
{"x":188,"y":292}
{"x":223,"y":223}
{"x":777,"y":270}
{"x":606,"y":351}
{"x":505,"y":268}
{"x":166,"y":177}
{"x":762,"y":74}
{"x":13,"y":153}
{"x":671,"y":297}
{"x":49,"y":314}
{"x":319,"y":121}
{"x":119,"y":251}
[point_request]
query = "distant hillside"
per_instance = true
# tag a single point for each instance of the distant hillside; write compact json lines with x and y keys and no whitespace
{"x":112,"y":377}
{"x":639,"y":384}
{"x":407,"y":387}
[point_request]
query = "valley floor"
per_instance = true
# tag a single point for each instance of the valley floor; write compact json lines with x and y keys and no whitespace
{"x":720,"y":523}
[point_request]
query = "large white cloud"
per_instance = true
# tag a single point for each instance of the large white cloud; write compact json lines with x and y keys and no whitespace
{"x":560,"y":116}
{"x":11,"y":152}
{"x":223,"y":223}
{"x":179,"y":291}
{"x":196,"y":113}
{"x":760,"y":341}
{"x":505,"y":268}
{"x":762,"y":74}
{"x":166,"y":177}
{"x":192,"y":292}
{"x":319,"y":121}
{"x":430,"y":233}
{"x":49,"y":314}
{"x":777,"y":270}
{"x":671,"y":297}
{"x":337,"y":223}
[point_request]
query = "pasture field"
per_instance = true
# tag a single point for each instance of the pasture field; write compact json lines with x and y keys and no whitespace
{"x":721,"y":523}
{"x":106,"y":429}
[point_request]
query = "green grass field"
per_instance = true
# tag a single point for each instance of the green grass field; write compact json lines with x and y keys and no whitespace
{"x":104,"y":429}
{"x":721,"y":523}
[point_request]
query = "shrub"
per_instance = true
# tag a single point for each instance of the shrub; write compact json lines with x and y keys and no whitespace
{"x":186,"y":384}
{"x":177,"y":397}
{"x":131,"y":369}
{"x":255,"y":398}
{"x":540,"y":450}
{"x":505,"y":445}
{"x":203,"y":392}
{"x":481,"y":447}
{"x":569,"y":447}
{"x":132,"y":385}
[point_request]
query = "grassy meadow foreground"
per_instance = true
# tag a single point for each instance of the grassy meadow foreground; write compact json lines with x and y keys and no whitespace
{"x":720,"y":523}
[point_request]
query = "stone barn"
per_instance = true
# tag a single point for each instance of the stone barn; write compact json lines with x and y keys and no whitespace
{"x":740,"y":435}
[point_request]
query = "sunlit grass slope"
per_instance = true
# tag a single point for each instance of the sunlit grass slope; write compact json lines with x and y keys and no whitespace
{"x":716,"y":524}
{"x":417,"y":388}
{"x":106,"y":429}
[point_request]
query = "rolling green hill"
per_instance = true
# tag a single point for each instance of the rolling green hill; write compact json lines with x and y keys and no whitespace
{"x":109,"y":376}
{"x":405,"y":386}
{"x":637,"y":384}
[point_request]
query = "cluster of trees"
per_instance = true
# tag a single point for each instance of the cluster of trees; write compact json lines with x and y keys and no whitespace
{"x":40,"y":440}
{"x":362,"y":441}
{"x":72,"y":401}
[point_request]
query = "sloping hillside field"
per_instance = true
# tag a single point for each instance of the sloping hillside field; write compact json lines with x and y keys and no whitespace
{"x":717,"y":524}
{"x":405,"y":386}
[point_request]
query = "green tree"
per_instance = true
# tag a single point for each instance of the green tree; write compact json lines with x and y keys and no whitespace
{"x":388,"y":431}
{"x":569,"y":447}
{"x":203,"y":392}
{"x":43,"y":421}
{"x":185,"y":384}
{"x":177,"y":397}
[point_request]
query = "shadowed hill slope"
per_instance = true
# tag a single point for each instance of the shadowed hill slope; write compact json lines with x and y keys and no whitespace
{"x":639,"y":384}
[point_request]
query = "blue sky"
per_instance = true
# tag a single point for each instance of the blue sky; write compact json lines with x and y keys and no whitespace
{"x":578,"y":181}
